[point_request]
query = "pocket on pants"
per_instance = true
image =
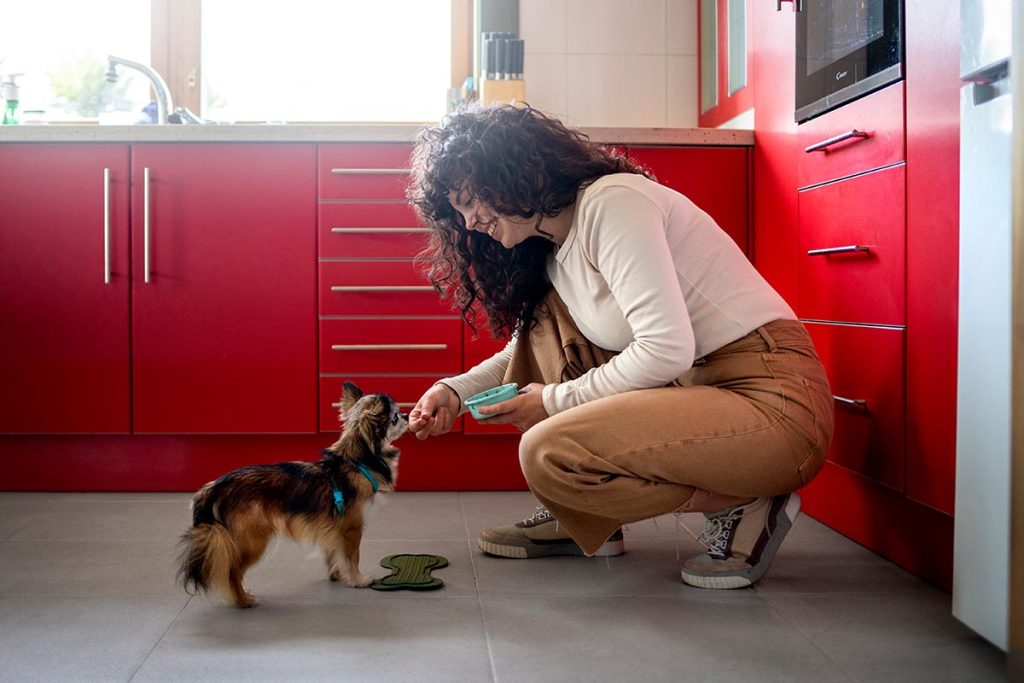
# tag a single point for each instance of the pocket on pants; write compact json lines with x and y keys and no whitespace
{"x":808,"y":410}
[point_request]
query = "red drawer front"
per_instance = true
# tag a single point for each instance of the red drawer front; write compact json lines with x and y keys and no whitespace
{"x":357,"y":171}
{"x":403,"y":389}
{"x":879,"y":115}
{"x":866,"y":364}
{"x":370,"y":230}
{"x":391,"y":346}
{"x":377,"y":288}
{"x":854,"y":286}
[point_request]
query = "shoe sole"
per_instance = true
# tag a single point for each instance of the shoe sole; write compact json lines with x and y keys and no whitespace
{"x":534,"y":550}
{"x":742,"y":579}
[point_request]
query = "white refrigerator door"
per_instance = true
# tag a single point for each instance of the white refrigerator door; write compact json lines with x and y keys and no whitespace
{"x":982,"y":519}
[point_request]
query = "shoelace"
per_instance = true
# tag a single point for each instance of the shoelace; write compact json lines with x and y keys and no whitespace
{"x":715,"y":534}
{"x":539,"y":516}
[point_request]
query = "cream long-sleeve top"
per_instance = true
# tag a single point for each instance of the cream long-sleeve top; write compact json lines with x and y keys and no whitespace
{"x":645,"y":272}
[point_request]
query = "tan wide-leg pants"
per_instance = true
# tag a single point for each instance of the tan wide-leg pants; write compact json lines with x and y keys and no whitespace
{"x":751,"y":419}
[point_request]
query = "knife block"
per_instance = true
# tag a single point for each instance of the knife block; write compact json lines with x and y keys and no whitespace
{"x":507,"y":91}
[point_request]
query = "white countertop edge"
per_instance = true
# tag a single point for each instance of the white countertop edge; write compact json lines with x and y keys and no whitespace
{"x":328,"y":133}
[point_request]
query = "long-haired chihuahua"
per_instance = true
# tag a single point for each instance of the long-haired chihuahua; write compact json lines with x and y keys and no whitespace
{"x":324,"y":502}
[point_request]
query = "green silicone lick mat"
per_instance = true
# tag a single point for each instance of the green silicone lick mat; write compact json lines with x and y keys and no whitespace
{"x":410,"y":572}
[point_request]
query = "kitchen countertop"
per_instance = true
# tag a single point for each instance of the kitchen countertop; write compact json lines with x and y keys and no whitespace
{"x":327,"y":133}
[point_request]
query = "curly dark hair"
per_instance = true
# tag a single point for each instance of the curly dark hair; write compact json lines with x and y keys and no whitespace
{"x":519,"y":162}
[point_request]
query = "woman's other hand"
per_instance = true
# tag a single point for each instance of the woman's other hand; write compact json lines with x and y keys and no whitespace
{"x":435,"y":412}
{"x":523,"y":410}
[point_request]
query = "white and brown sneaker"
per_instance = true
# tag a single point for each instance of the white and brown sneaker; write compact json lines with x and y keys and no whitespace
{"x":741,"y":542}
{"x":539,"y":535}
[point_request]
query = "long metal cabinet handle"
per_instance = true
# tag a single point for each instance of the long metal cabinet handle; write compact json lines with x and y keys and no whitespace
{"x":858,"y":403}
{"x":389,"y":347}
{"x":106,"y":226}
{"x":382,"y":288}
{"x":845,"y":249}
{"x":371,"y":171}
{"x":362,"y":231}
{"x":145,"y":225}
{"x":825,"y":144}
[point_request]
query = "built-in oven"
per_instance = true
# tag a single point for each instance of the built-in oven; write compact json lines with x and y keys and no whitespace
{"x":845,"y":49}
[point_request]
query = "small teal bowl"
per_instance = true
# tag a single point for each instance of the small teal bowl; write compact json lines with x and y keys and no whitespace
{"x":490,"y":397}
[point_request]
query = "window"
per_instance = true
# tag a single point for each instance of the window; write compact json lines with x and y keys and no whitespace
{"x":386,"y":60}
{"x":347,"y":60}
{"x":62,"y":67}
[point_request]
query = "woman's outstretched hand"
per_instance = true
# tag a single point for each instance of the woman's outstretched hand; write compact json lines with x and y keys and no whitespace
{"x":435,"y":412}
{"x":523,"y":410}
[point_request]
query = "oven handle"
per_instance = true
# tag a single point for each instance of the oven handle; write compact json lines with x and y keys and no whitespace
{"x":798,"y":5}
{"x":825,"y":144}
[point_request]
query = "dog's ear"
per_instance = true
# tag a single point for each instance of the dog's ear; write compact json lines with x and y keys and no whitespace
{"x":350,"y":393}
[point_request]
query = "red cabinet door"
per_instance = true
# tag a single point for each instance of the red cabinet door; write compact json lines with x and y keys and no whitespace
{"x":713,"y":178}
{"x":224,"y":288}
{"x":64,"y":283}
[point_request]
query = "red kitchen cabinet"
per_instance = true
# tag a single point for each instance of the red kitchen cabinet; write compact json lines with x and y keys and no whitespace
{"x":365,"y":230}
{"x":224,"y":288}
{"x":64,"y":289}
{"x":866,"y":133}
{"x":852,"y":262}
{"x":714,"y":178}
{"x":377,"y":287}
{"x":775,"y":244}
{"x":889,"y":479}
{"x":861,"y":363}
{"x":933,"y":210}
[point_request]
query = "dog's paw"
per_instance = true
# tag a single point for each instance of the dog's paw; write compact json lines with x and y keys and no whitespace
{"x":334,"y":574}
{"x":360,"y":581}
{"x":247,"y":602}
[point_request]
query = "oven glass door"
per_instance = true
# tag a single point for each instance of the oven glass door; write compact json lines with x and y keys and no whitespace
{"x":845,"y":49}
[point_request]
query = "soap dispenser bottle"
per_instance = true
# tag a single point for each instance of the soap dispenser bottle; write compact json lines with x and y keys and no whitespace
{"x":9,"y":92}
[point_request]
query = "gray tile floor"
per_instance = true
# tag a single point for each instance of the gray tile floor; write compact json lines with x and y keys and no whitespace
{"x":87,"y":593}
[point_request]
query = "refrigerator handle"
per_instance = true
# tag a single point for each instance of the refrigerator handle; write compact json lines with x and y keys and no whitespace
{"x":989,"y":82}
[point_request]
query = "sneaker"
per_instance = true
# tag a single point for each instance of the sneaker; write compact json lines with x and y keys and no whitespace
{"x":540,"y":536}
{"x":741,"y":542}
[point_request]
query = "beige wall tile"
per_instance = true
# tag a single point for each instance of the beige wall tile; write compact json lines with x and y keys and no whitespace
{"x":616,"y":90}
{"x":615,"y":27}
{"x":545,"y":77}
{"x":682,"y":91}
{"x":542,"y":25}
{"x":681,"y":36}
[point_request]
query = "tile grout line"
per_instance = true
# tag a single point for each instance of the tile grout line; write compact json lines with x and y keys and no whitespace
{"x":476,"y":585}
{"x":796,"y":629}
{"x":160,"y":639}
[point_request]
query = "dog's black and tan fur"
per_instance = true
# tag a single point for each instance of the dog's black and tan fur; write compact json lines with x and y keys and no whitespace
{"x":236,"y":516}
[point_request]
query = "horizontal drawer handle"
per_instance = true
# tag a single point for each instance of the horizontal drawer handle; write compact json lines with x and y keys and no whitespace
{"x":858,"y":403}
{"x":371,"y":171}
{"x":363,"y":231}
{"x":825,"y":144}
{"x":400,"y":405}
{"x":845,"y":249}
{"x":389,"y":347}
{"x":382,"y":288}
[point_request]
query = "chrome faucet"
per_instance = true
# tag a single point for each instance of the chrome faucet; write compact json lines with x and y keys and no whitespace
{"x":164,"y":105}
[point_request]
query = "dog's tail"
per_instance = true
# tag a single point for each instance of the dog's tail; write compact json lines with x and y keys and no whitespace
{"x":208,"y":551}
